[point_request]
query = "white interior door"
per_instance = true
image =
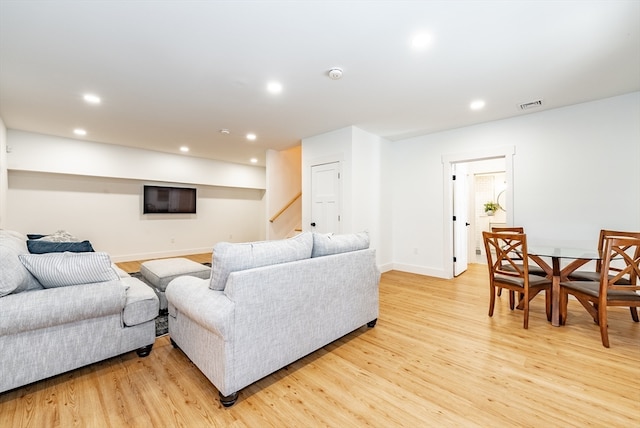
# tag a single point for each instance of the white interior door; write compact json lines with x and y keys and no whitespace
{"x":460,"y":219}
{"x":325,"y":198}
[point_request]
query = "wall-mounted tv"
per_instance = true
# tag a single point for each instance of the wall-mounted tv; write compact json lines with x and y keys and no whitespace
{"x":169,"y":200}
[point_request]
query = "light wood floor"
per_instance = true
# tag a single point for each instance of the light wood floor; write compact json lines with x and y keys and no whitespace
{"x":434,"y":359}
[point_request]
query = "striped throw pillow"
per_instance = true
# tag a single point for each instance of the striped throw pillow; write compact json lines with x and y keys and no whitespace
{"x":64,"y":269}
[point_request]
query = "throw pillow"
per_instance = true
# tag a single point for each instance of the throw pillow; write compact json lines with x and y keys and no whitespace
{"x":229,"y":257}
{"x":64,"y":269}
{"x":60,"y":236}
{"x":40,"y":246}
{"x":324,"y":245}
{"x":14,"y":277}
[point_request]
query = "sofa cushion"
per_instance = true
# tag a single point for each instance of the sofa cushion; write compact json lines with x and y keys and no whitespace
{"x":327,"y":244}
{"x":64,"y":269}
{"x":229,"y":257}
{"x":14,"y":277}
{"x":142,"y":303}
{"x":40,"y":246}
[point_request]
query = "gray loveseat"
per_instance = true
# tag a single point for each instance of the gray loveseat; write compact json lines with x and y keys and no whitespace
{"x":62,"y":311}
{"x":270,"y":303}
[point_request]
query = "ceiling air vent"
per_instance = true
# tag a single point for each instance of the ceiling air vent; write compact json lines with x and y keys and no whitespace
{"x":530,"y":105}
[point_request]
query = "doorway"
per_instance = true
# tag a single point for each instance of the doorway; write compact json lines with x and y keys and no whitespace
{"x":455,"y":230}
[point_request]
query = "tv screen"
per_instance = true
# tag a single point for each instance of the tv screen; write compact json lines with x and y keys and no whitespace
{"x":169,"y":200}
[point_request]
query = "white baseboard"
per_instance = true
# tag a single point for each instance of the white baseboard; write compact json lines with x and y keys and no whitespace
{"x":421,"y":270}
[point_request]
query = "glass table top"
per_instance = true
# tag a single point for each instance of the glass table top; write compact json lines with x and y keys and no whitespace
{"x":562,"y":252}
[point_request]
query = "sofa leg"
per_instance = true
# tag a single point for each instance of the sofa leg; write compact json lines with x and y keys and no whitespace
{"x":174,"y":344}
{"x":228,"y":400}
{"x":144,"y":351}
{"x":372,"y":323}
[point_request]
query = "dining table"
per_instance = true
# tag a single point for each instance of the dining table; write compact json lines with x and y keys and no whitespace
{"x":557,"y":271}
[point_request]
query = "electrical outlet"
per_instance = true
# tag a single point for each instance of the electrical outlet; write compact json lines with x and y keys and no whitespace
{"x":415,"y":251}
{"x":173,"y":240}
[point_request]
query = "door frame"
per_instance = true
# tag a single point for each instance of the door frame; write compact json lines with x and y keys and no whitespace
{"x":506,"y":152}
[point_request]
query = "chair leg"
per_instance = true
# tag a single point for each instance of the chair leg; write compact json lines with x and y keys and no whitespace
{"x":526,"y":311}
{"x":499,"y":291}
{"x":512,"y":299}
{"x":547,"y":304}
{"x":634,"y":313}
{"x":602,"y":320}
{"x":492,"y":300}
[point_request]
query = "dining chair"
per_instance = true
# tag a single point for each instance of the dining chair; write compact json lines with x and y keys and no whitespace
{"x":596,"y":296}
{"x":534,"y":269}
{"x":508,"y":264}
{"x":594,"y":275}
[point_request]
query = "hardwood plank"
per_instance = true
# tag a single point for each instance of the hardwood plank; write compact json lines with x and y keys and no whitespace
{"x":435,"y":358}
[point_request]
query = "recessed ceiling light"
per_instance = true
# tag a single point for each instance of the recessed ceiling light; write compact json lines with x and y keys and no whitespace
{"x":92,"y":99}
{"x":251,"y":137}
{"x":421,"y":41}
{"x":80,"y":132}
{"x":254,"y":160}
{"x":184,"y":149}
{"x":274,"y":87}
{"x":477,"y":105}
{"x":225,"y":131}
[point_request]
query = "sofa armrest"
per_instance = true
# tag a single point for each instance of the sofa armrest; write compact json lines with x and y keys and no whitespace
{"x":31,"y":310}
{"x":142,"y":304}
{"x":211,"y":309}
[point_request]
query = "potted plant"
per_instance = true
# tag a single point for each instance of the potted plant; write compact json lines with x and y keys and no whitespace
{"x":490,"y":208}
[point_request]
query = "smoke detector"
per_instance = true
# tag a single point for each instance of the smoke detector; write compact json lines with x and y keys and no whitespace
{"x":335,"y":73}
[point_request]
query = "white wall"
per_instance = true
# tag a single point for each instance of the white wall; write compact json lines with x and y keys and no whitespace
{"x":3,"y":174}
{"x":45,"y":153}
{"x":107,"y":209}
{"x":575,"y":171}
{"x":334,"y":146}
{"x":362,"y":173}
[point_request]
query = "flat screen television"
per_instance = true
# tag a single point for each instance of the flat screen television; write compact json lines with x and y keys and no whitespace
{"x":169,"y":200}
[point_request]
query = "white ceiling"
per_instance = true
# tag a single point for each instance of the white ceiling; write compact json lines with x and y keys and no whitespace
{"x":174,"y":73}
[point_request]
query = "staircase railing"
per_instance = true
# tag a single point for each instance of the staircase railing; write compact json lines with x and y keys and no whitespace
{"x":287,"y":205}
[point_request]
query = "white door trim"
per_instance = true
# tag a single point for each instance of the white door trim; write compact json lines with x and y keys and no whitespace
{"x":447,"y":171}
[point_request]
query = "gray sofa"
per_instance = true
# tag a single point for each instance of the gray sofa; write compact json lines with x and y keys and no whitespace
{"x":270,"y":303}
{"x":62,"y":311}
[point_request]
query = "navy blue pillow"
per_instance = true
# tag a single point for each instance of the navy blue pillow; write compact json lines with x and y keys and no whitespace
{"x":35,"y":236}
{"x":43,"y":247}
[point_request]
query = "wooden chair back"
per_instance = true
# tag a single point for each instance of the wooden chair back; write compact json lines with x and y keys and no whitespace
{"x":514,"y":229}
{"x":605,"y":233}
{"x":625,"y":249}
{"x":506,"y":253}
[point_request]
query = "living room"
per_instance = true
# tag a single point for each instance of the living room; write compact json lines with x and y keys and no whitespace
{"x":573,"y":169}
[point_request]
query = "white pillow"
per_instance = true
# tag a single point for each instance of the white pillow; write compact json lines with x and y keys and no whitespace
{"x":64,"y":269}
{"x":229,"y":258}
{"x":324,"y":245}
